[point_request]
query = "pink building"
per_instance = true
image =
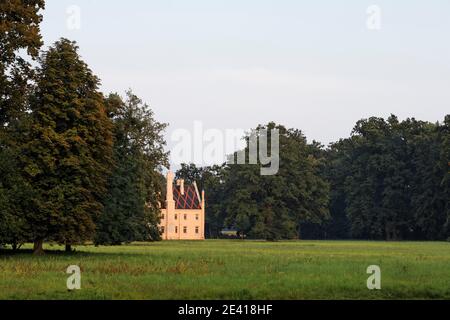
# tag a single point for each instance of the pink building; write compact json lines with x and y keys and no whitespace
{"x":183,"y":216}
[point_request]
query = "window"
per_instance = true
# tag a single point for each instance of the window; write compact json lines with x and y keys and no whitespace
{"x":197,"y":217}
{"x":197,"y":230}
{"x":176,"y":217}
{"x":185,"y":230}
{"x":163,"y":216}
{"x":176,"y":229}
{"x":163,"y":229}
{"x":185,"y":217}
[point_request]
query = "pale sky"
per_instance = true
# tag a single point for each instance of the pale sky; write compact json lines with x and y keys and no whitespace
{"x":238,"y":63}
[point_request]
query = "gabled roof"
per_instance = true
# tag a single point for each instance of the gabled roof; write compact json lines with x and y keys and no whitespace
{"x":190,"y":199}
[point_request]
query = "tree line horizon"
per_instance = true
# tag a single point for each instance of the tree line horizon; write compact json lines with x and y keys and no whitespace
{"x":79,"y":166}
{"x":390,"y":180}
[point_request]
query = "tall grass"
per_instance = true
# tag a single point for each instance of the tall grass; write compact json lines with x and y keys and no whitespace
{"x":232,"y":270}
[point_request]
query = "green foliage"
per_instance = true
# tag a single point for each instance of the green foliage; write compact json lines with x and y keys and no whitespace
{"x":73,"y":163}
{"x":14,"y":201}
{"x":20,"y":41}
{"x":389,"y":178}
{"x":69,"y":152}
{"x":274,"y":207}
{"x":266,"y":207}
{"x":132,"y":202}
{"x":444,"y":166}
{"x":210,"y":179}
{"x":19,"y":30}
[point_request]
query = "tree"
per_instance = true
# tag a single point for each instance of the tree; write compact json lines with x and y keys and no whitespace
{"x":14,"y":200}
{"x":134,"y":189}
{"x":19,"y":31}
{"x":275,"y":207}
{"x":427,"y":195}
{"x":444,"y":165}
{"x":378,"y":183}
{"x":69,"y":152}
{"x":389,"y":180}
{"x":336,"y":170}
{"x":211,"y":179}
{"x":190,"y":173}
{"x":20,"y":41}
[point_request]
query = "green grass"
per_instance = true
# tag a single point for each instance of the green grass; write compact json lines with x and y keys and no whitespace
{"x":232,"y":270}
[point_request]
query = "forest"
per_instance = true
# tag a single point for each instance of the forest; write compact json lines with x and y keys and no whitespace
{"x":78,"y":165}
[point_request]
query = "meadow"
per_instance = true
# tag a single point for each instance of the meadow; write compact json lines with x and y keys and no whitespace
{"x":227,"y":269}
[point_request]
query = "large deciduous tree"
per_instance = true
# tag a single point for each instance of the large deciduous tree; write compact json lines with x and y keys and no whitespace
{"x":132,"y":204}
{"x":68,"y":156}
{"x":19,"y":31}
{"x":444,"y":131}
{"x":276,"y":206}
{"x":20,"y":41}
{"x":390,"y":180}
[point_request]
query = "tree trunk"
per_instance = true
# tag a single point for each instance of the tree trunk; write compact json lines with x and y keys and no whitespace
{"x":68,"y":248}
{"x":38,"y":249}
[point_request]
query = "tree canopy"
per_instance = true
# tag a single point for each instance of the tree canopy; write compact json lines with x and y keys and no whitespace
{"x":20,"y":42}
{"x":76,"y":166}
{"x":68,"y":156}
{"x":132,"y":203}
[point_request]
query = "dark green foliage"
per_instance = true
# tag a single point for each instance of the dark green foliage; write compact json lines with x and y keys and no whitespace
{"x":268,"y":207}
{"x":211,"y":179}
{"x":336,"y":171}
{"x":69,"y":153}
{"x":14,"y":201}
{"x":19,"y":31}
{"x":275,"y":206}
{"x":73,"y":162}
{"x":444,"y":166}
{"x":389,"y":178}
{"x":132,"y":202}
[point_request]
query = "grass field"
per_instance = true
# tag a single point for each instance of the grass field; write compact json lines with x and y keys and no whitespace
{"x":232,"y":270}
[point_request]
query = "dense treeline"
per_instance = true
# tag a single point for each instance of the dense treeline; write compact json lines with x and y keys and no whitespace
{"x":75,"y":166}
{"x":272,"y":207}
{"x":132,"y":200}
{"x":78,"y":166}
{"x":390,"y":180}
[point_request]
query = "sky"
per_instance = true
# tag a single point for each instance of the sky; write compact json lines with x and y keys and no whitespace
{"x":316,"y":66}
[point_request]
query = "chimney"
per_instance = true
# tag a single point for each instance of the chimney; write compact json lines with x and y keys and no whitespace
{"x":203,"y":199}
{"x":170,"y":203}
{"x":170,"y":178}
{"x":180,"y":183}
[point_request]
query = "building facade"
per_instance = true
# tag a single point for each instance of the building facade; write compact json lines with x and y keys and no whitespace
{"x":183,"y":214}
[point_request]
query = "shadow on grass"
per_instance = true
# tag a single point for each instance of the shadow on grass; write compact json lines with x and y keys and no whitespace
{"x":63,"y":254}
